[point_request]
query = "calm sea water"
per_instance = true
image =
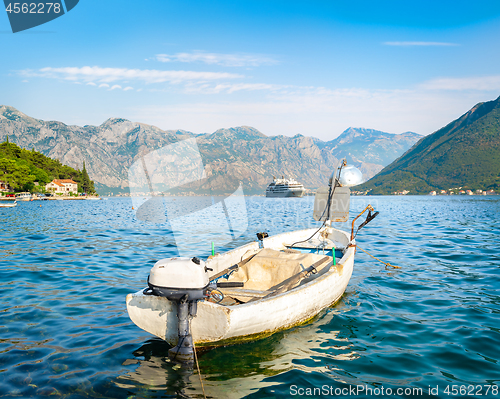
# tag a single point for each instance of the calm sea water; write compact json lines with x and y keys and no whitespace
{"x":66,"y":267}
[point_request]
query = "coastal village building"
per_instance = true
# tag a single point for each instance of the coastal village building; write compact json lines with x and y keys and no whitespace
{"x":62,"y":186}
{"x":4,"y":187}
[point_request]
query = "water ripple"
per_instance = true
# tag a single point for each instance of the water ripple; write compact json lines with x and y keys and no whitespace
{"x":68,"y":265}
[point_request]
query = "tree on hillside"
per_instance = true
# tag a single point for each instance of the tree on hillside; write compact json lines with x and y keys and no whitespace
{"x":18,"y":175}
{"x":87,"y":184}
{"x":40,"y":175}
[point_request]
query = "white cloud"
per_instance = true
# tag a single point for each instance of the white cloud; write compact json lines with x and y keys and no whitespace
{"x":192,"y":81}
{"x":286,"y":109}
{"x":230,"y":87}
{"x":405,"y":44}
{"x":108,"y":75}
{"x":483,"y":83}
{"x":318,"y":112}
{"x":229,"y":60}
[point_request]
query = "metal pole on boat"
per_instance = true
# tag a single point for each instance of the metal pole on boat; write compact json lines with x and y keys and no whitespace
{"x":183,"y":352}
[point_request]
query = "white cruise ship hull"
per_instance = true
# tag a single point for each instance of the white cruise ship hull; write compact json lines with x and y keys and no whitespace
{"x":290,"y":192}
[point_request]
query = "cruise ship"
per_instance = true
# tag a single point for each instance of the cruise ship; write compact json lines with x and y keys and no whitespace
{"x":281,"y":188}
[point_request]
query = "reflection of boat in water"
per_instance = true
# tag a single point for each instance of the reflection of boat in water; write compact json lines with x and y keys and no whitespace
{"x":270,"y":285}
{"x":155,"y":372}
{"x":282,"y":188}
{"x":150,"y":368}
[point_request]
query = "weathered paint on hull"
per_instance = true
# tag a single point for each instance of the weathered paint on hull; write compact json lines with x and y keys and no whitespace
{"x":219,"y":325}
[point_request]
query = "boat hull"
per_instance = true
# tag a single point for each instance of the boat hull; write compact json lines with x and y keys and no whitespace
{"x":217,"y":324}
{"x":299,"y":193}
{"x":7,"y":204}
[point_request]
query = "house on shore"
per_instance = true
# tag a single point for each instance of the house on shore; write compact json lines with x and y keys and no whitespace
{"x":62,"y":186}
{"x":5,"y":187}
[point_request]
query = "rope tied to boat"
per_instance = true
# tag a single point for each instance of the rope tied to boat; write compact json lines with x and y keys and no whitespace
{"x":198,"y":366}
{"x":387,"y":264}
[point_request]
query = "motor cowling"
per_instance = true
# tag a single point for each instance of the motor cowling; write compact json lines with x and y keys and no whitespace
{"x":175,"y":277}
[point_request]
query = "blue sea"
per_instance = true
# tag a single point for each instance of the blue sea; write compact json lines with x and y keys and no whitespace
{"x":428,"y":329}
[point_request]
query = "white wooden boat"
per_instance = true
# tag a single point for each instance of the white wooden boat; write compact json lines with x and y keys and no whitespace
{"x":23,"y":196}
{"x":255,"y":290}
{"x":249,"y":313}
{"x":8,"y":203}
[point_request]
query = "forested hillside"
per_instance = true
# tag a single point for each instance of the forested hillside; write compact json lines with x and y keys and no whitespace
{"x":21,"y":168}
{"x":465,"y":153}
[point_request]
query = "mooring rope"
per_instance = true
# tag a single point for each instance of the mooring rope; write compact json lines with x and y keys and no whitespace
{"x":385,"y":263}
{"x":198,"y":366}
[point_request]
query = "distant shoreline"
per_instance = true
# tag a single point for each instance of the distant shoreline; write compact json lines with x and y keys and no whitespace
{"x":51,"y":199}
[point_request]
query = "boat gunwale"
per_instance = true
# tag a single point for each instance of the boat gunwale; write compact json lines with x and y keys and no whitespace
{"x":219,"y":257}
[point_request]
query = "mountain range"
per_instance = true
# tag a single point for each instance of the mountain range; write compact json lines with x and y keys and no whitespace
{"x":465,"y":153}
{"x":229,"y":155}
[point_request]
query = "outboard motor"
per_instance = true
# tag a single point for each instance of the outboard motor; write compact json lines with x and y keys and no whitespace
{"x":185,"y":281}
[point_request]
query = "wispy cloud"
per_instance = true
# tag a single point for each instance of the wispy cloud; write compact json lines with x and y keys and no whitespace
{"x":105,"y":85}
{"x":191,"y":81}
{"x":283,"y":109}
{"x":483,"y":83}
{"x":230,"y":87}
{"x":422,"y":44}
{"x":316,"y":111}
{"x":108,"y":75}
{"x":228,"y":60}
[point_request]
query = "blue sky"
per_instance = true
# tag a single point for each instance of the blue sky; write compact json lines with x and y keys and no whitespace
{"x":314,"y":68}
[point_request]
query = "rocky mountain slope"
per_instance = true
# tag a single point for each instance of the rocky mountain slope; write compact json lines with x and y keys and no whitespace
{"x":229,"y":155}
{"x":464,"y":153}
{"x":370,"y":148}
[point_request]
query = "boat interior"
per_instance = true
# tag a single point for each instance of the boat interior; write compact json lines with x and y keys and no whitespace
{"x":265,"y":272}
